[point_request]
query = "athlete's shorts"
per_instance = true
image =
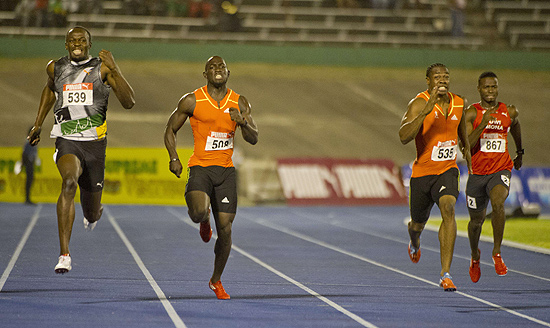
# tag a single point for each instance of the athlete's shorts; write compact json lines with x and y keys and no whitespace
{"x":426,"y":191}
{"x":218,"y":182}
{"x":92,"y":159}
{"x":478,"y":188}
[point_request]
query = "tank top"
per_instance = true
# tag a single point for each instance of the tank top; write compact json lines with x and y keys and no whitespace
{"x":437,"y":140}
{"x":213,"y":129}
{"x":80,"y":110}
{"x":490,"y":154}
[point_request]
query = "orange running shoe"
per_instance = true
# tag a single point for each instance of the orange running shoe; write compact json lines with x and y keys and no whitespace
{"x":475,"y":270}
{"x":447,"y":283}
{"x":218,"y":290}
{"x":205,"y":231}
{"x":414,"y":253}
{"x":500,"y":267}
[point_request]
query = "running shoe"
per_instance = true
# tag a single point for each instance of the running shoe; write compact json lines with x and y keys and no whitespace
{"x":205,"y":231}
{"x":447,"y":283}
{"x":218,"y":290}
{"x":414,"y":253}
{"x":64,"y":264}
{"x":475,"y":270}
{"x":89,"y":226}
{"x":500,"y":267}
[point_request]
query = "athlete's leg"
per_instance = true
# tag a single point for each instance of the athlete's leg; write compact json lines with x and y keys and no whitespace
{"x":70,"y":170}
{"x":91,"y":204}
{"x":198,"y":203}
{"x":224,"y":223}
{"x":447,"y":231}
{"x":498,"y":217}
{"x":415,"y":229}
{"x":474,"y":231}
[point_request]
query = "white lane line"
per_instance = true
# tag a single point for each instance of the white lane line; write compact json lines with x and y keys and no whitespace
{"x":256,"y":260}
{"x":268,"y":224}
{"x":20,"y":246}
{"x":375,"y":98}
{"x":160,"y":294}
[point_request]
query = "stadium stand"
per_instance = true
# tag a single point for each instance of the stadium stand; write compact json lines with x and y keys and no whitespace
{"x":316,"y":22}
{"x":525,"y":23}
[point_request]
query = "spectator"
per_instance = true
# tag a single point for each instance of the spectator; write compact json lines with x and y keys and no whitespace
{"x":29,"y":159}
{"x":176,"y":8}
{"x":458,"y":8}
{"x":41,"y":10}
{"x":24,"y":11}
{"x":229,"y":20}
{"x":199,"y":8}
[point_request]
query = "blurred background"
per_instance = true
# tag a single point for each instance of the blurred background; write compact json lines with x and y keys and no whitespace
{"x":328,"y":80}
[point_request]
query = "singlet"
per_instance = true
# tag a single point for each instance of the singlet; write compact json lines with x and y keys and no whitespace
{"x":81,"y":107}
{"x":490,"y":154}
{"x":437,"y":140}
{"x":213,"y":129}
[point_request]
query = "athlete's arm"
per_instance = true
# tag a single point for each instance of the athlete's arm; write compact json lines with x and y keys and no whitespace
{"x":463,"y":137}
{"x":111,"y":72}
{"x":47,"y":100}
{"x":243,"y":118}
{"x":474,"y":134}
{"x":515,"y":130}
{"x":412,"y":121}
{"x":185,"y":108}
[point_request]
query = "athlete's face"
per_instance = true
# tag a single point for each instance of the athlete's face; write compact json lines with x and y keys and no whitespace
{"x":488,"y":89}
{"x":215,"y":71}
{"x":78,"y":44}
{"x":439,"y":77}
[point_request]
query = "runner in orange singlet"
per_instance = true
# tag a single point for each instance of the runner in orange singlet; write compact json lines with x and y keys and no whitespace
{"x":214,"y":112}
{"x":434,"y":120}
{"x":487,"y":124}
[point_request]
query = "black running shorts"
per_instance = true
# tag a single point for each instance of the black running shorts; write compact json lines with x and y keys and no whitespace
{"x":92,"y":159}
{"x":426,"y":191}
{"x":219,"y":183}
{"x":478,"y":188}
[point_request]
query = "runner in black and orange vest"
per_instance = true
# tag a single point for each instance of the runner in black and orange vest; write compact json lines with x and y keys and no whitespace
{"x":487,"y":124}
{"x":214,"y":112}
{"x":434,"y":119}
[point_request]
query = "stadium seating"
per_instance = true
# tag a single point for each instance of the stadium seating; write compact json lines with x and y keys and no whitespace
{"x":525,"y":23}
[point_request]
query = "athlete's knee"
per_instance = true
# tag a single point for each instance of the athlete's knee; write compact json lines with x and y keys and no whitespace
{"x":198,"y":215}
{"x":69,"y":185}
{"x":447,"y":206}
{"x":92,"y":214}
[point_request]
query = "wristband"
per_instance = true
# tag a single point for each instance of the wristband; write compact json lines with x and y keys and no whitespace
{"x":174,"y":160}
{"x":520,"y":151}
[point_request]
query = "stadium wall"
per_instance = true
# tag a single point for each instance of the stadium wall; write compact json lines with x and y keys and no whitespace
{"x":31,"y":47}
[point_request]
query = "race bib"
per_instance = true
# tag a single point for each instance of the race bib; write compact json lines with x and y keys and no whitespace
{"x":444,"y":151}
{"x":492,"y":143}
{"x":219,"y":141}
{"x":78,"y":94}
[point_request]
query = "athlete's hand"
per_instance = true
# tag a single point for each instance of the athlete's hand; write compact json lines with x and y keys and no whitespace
{"x":176,"y":167}
{"x":236,"y":116}
{"x":34,"y":136}
{"x":487,"y":116}
{"x":518,"y":161}
{"x":107,"y":58}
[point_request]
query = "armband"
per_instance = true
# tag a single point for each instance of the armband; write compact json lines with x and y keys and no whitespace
{"x":520,"y":151}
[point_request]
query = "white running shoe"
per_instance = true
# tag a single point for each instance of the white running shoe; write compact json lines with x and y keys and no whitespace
{"x":89,"y":226}
{"x":64,"y":264}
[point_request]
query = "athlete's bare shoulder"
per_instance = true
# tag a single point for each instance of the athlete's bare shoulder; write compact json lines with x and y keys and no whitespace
{"x":187,"y":103}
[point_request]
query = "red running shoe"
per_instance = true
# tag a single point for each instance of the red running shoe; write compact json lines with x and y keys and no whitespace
{"x":500,"y":267}
{"x":205,"y":231}
{"x":414,"y":253}
{"x":217,"y":287}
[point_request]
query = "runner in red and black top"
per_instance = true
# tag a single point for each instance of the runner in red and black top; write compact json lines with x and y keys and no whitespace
{"x":488,"y":123}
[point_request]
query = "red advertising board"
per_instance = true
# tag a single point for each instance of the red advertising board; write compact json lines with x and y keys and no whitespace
{"x":331,"y":181}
